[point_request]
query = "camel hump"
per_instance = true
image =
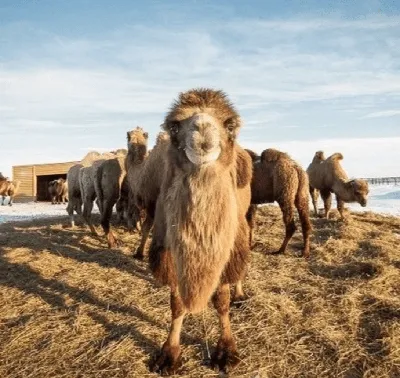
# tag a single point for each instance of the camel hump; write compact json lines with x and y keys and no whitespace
{"x":254,"y":156}
{"x":320,"y":155}
{"x":336,"y":156}
{"x":271,"y":155}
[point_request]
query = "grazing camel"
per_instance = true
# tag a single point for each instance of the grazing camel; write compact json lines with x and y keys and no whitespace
{"x":277,"y":177}
{"x":144,"y":175}
{"x":200,"y":241}
{"x":327,"y":176}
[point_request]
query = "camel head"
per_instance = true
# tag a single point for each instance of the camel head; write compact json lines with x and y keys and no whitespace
{"x":202,"y":125}
{"x":137,"y":141}
{"x":318,"y":157}
{"x":359,"y":190}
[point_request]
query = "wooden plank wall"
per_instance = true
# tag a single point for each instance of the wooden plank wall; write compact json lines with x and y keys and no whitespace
{"x":27,"y":174}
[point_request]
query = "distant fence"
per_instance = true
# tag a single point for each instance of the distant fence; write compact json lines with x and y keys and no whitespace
{"x":383,"y":180}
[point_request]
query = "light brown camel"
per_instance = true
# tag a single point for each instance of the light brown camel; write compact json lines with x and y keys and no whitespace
{"x":145,"y":174}
{"x":8,"y":189}
{"x":74,"y":190}
{"x":109,"y":177}
{"x":327,"y":176}
{"x":58,"y":190}
{"x":200,"y":241}
{"x":277,"y":177}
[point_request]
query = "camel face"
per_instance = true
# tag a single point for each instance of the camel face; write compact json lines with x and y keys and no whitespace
{"x":137,"y":137}
{"x":361,"y":191}
{"x":201,"y":139}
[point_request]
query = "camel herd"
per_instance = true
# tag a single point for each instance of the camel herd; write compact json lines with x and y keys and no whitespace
{"x":198,"y":191}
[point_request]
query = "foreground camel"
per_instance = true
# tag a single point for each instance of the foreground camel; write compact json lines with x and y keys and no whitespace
{"x":279,"y":178}
{"x":327,"y":176}
{"x":58,"y":190}
{"x":144,"y":176}
{"x":201,"y":237}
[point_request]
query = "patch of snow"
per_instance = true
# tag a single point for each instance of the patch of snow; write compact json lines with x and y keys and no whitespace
{"x":33,"y":210}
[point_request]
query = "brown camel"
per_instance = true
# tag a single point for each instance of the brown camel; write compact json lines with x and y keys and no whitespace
{"x":327,"y":176}
{"x":277,"y":177}
{"x":58,"y":190}
{"x":109,"y":177}
{"x":145,"y":175}
{"x":200,"y":240}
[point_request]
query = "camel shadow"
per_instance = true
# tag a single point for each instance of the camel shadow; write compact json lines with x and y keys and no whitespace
{"x":67,"y":243}
{"x":355,"y":269}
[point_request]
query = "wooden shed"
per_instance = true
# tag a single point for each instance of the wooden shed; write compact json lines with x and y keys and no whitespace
{"x":35,"y":179}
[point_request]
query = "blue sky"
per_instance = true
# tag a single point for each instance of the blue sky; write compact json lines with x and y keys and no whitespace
{"x":305,"y":75}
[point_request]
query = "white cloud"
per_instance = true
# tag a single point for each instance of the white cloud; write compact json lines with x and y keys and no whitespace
{"x":384,"y":113}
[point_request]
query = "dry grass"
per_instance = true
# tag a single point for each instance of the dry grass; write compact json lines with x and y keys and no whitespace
{"x":72,"y":308}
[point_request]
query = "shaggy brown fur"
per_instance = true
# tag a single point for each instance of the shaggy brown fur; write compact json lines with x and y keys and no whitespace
{"x":201,"y":237}
{"x":145,"y":174}
{"x":8,"y":189}
{"x":279,"y":178}
{"x":58,"y":190}
{"x":109,"y":177}
{"x":327,"y":176}
{"x":74,"y":190}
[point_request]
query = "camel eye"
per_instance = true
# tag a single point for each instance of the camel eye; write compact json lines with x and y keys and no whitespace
{"x":174,"y":127}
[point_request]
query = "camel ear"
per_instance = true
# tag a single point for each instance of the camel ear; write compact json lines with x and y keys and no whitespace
{"x":232,"y":125}
{"x":146,"y":135}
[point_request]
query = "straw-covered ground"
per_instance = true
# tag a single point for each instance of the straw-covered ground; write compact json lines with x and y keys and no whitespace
{"x":69,"y":307}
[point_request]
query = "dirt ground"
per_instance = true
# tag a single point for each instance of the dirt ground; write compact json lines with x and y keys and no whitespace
{"x":72,"y":308}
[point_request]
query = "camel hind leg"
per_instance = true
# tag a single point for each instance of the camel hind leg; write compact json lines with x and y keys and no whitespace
{"x":304,"y":215}
{"x":225,"y":356}
{"x":87,"y":215}
{"x":169,"y":359}
{"x":290,"y":226}
{"x":106,"y":215}
{"x":251,"y":220}
{"x":314,"y":196}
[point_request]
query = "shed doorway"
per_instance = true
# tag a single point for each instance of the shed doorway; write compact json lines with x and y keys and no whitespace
{"x":42,"y":185}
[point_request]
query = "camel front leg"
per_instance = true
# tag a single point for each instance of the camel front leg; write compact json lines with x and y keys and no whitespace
{"x":225,"y":356}
{"x":314,"y":197}
{"x":169,"y":359}
{"x":340,"y":207}
{"x":327,"y":197}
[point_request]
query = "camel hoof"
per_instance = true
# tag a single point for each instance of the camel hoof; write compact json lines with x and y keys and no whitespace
{"x":167,"y":362}
{"x":278,"y":252}
{"x":239,"y":301}
{"x":138,"y":256}
{"x":225,"y":357}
